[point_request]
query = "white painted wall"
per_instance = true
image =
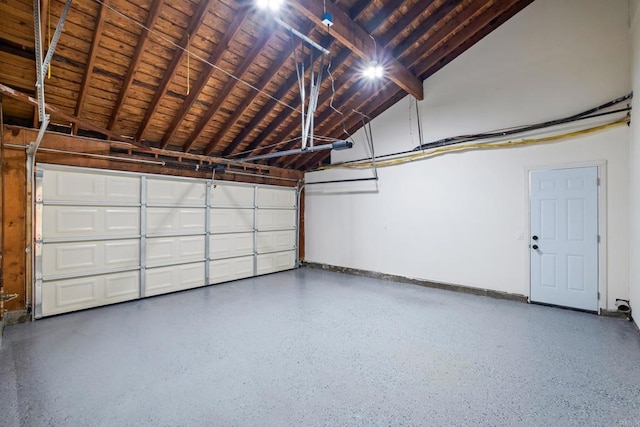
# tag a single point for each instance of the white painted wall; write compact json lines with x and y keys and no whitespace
{"x":456,"y":218}
{"x":634,"y":165}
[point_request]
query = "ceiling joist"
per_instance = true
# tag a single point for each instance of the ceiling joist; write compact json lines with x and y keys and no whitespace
{"x":229,"y":87}
{"x":91,"y":60}
{"x":356,"y":38}
{"x":101,"y":67}
{"x":206,"y":74}
{"x":154,"y":12}
{"x":194,"y":26}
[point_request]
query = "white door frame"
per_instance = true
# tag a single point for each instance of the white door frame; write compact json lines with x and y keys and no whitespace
{"x":602,"y":224}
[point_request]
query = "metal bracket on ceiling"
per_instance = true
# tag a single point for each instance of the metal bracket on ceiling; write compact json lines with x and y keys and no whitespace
{"x":43,"y":65}
{"x":314,"y":85}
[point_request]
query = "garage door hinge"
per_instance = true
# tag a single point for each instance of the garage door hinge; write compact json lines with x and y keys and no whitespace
{"x":598,"y":238}
{"x":598,"y":181}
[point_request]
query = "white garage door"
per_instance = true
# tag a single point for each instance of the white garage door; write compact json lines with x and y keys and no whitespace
{"x":104,"y":237}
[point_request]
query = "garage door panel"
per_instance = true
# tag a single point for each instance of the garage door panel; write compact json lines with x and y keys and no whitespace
{"x":66,"y":295}
{"x":89,"y":257}
{"x":230,"y":245}
{"x":275,"y":219}
{"x":270,"y":263}
{"x":85,"y":186}
{"x":96,"y":225}
{"x":162,"y":280}
{"x":122,"y":287}
{"x":269,"y":197}
{"x":273,"y":241}
{"x":232,"y":195}
{"x":83,"y":221}
{"x":167,"y":192}
{"x":230,"y":269}
{"x":175,"y":221}
{"x":163,"y":250}
{"x":231,"y":220}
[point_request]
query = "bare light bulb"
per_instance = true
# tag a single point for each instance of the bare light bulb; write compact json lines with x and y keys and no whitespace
{"x":373,"y":71}
{"x":272,"y":5}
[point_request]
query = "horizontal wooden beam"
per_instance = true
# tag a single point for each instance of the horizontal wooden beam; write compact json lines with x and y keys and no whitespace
{"x":488,"y":19}
{"x":85,"y":124}
{"x":358,"y":40}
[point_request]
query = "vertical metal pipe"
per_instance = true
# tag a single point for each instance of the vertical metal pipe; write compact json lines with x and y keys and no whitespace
{"x":299,"y":189}
{"x":207,"y":235}
{"x":2,"y":238}
{"x":143,"y":236}
{"x":255,"y":230}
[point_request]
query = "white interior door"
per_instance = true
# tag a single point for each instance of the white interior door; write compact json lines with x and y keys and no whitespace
{"x":564,"y":237}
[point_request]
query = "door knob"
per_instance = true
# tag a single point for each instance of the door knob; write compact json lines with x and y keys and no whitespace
{"x":535,"y":237}
{"x":535,"y":246}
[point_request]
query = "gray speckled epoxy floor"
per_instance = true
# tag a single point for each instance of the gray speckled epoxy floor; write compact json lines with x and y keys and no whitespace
{"x":310,"y":347}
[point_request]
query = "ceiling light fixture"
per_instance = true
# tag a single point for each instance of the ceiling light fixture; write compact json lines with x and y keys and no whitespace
{"x":273,"y":5}
{"x":373,"y":71}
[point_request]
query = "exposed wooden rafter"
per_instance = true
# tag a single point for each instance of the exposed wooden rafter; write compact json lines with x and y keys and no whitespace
{"x":91,"y":59}
{"x":229,"y":87}
{"x":255,"y":121}
{"x":96,"y":80}
{"x":294,"y":124}
{"x":372,"y":26}
{"x":356,"y":38}
{"x":484,"y":23}
{"x":194,"y":26}
{"x":55,"y":112}
{"x":206,"y":74}
{"x":154,"y":12}
{"x":428,"y":45}
{"x":339,"y":59}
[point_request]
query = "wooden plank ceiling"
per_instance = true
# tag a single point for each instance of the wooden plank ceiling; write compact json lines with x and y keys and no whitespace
{"x":218,"y":77}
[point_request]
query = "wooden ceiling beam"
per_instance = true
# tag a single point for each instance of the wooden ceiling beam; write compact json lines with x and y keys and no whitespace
{"x":194,"y":26}
{"x":215,"y":57}
{"x":386,"y":11}
{"x":451,"y":26}
{"x":357,"y":39}
{"x":295,"y":123}
{"x":287,"y":86}
{"x":458,"y":25}
{"x":355,"y":13}
{"x":490,"y":19}
{"x":261,"y":84}
{"x":55,"y":112}
{"x":425,"y":26}
{"x":358,"y":8}
{"x":91,"y":59}
{"x":255,"y":121}
{"x":154,"y":12}
{"x":228,"y":88}
{"x":404,"y":22}
{"x":476,"y":31}
{"x":371,"y":26}
{"x":311,"y":161}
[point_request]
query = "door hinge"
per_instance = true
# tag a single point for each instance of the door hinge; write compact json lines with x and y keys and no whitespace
{"x":598,"y":181}
{"x":598,"y":238}
{"x":598,"y":296}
